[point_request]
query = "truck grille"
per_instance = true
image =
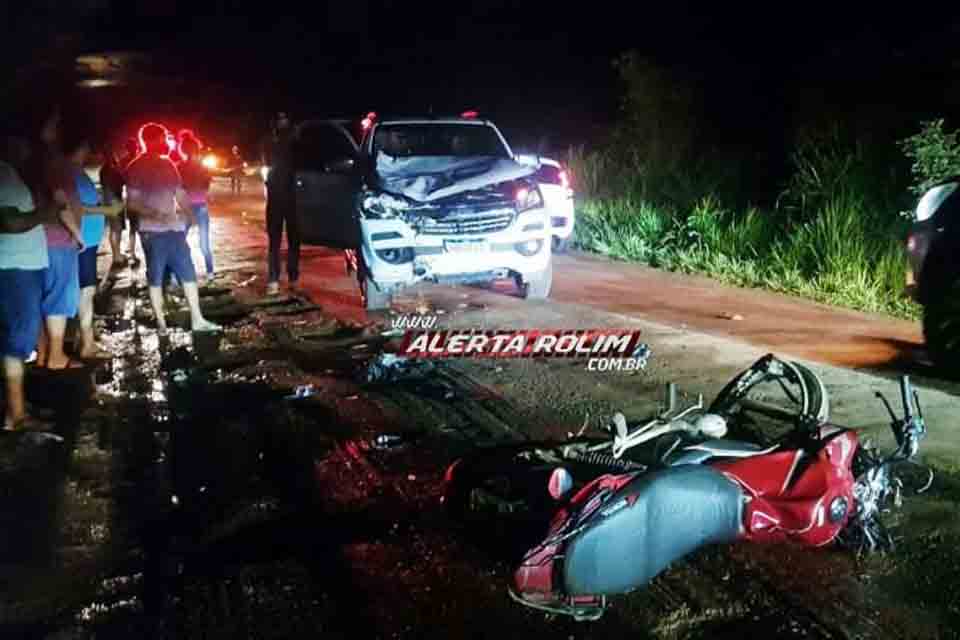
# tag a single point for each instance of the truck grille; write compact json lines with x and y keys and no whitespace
{"x":473,"y":223}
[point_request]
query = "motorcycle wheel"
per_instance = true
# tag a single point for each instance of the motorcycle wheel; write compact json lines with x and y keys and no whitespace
{"x":806,"y":396}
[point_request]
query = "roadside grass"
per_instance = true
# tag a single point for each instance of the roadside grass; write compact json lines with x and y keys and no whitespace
{"x":835,"y":235}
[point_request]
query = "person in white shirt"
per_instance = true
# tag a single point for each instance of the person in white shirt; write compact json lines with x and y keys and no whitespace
{"x":23,"y":262}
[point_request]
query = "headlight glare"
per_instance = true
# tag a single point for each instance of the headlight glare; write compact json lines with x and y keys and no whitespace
{"x":528,"y":197}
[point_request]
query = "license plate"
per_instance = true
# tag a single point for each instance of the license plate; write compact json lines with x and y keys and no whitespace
{"x":466,"y":246}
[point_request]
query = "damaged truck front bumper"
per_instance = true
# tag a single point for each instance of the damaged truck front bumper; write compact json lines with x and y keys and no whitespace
{"x":397,"y":254}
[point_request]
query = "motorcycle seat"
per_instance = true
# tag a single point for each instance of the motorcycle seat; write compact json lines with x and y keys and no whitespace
{"x":719,"y":448}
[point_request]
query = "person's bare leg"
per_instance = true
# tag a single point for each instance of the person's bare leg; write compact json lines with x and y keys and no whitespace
{"x":43,"y":346}
{"x":156,"y":301}
{"x":13,"y":382}
{"x":197,"y":321}
{"x":88,"y":343}
{"x":115,"y":249}
{"x":56,"y":329}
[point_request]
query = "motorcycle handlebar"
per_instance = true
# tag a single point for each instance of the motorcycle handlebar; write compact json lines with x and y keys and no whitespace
{"x":906,"y":396}
{"x":910,"y":429}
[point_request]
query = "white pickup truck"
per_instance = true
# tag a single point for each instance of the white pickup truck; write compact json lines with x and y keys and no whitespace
{"x":426,"y":199}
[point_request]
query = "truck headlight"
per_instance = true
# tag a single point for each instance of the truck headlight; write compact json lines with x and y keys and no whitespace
{"x":381,"y":205}
{"x":528,"y":198}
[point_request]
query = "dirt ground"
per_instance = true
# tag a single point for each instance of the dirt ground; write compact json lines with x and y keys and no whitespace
{"x":195,"y":498}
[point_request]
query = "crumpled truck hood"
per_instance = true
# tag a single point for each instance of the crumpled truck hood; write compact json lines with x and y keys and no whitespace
{"x":429,"y":178}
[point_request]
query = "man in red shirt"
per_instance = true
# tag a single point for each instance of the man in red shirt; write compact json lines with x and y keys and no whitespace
{"x":155,"y":194}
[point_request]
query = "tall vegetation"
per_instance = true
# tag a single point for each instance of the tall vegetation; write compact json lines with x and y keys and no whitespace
{"x":835,"y":234}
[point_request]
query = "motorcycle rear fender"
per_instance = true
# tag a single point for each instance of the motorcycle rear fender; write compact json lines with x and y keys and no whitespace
{"x":650,"y":522}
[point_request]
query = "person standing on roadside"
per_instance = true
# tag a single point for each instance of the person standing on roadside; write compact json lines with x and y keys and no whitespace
{"x":23,"y":263}
{"x":55,"y":180}
{"x":236,"y":170}
{"x":196,"y":182}
{"x":281,"y":204}
{"x":112,"y":179}
{"x":155,"y":194}
{"x":92,"y":227}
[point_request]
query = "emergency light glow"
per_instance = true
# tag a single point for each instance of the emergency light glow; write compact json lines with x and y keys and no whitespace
{"x":369,"y":120}
{"x":470,"y":115}
{"x":210,"y":161}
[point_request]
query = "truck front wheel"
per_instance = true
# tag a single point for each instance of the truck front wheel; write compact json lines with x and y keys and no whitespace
{"x":537,"y":286}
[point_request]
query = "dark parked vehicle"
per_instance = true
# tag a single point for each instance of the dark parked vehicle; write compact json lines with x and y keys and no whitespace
{"x":934,"y":281}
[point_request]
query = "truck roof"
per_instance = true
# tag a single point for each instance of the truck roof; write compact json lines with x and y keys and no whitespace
{"x":428,"y":120}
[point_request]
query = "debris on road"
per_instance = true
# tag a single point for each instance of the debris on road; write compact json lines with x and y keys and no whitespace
{"x":642,"y":354}
{"x":731,"y":316}
{"x":388,"y":441}
{"x":389,"y":367}
{"x":302,"y":391}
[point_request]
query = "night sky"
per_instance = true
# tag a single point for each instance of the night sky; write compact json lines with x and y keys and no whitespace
{"x":534,"y":67}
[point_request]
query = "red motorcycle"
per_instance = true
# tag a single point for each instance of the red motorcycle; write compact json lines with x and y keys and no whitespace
{"x":655,"y":493}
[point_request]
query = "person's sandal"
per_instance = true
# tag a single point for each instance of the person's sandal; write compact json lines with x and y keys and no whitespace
{"x":71,"y":364}
{"x":30,"y":425}
{"x":98,"y":354}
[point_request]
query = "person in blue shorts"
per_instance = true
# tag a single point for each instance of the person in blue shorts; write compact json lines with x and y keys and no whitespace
{"x":52,"y":179}
{"x":155,"y":194}
{"x":23,"y":262}
{"x":92,"y":226}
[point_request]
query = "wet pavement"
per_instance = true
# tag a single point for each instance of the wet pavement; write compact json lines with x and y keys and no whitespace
{"x":261,"y":483}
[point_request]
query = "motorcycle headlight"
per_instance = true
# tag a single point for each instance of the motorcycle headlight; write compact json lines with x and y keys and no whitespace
{"x":528,"y":197}
{"x":932,"y":200}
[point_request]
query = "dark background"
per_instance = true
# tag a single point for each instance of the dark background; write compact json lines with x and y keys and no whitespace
{"x":542,"y":70}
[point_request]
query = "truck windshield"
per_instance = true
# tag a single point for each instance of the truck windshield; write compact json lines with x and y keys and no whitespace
{"x":416,"y":140}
